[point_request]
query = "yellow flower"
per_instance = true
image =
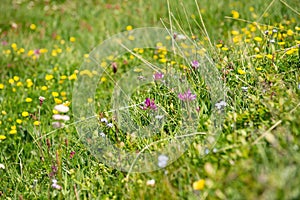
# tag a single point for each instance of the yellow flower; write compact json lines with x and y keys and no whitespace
{"x":55,"y":94}
{"x":53,"y":53}
{"x":90,"y":100}
{"x":2,"y":137}
{"x":19,"y":121}
{"x":281,"y":43}
{"x":57,"y":101}
{"x":13,"y":131}
{"x":13,"y":127}
{"x":269,"y":56}
{"x":235,"y":14}
{"x":242,"y":72}
{"x":72,"y":39}
{"x":103,"y":79}
{"x":258,"y":68}
{"x":28,"y":99}
{"x":25,"y":114}
{"x":129,"y":28}
{"x":199,"y":185}
{"x":219,"y":45}
{"x":48,"y":77}
{"x":32,"y":26}
{"x":258,"y":39}
{"x":225,"y":48}
{"x":19,"y":84}
{"x":43,"y":50}
{"x":29,"y":84}
{"x":36,"y":123}
{"x":16,"y":78}
{"x":3,"y":112}
{"x":130,"y":37}
{"x":234,"y":32}
{"x":290,"y":32}
{"x":14,"y":46}
{"x":1,"y":86}
{"x":44,"y":88}
{"x":55,"y":111}
{"x":30,"y":53}
{"x":73,"y":77}
{"x":62,"y":42}
{"x":256,"y":49}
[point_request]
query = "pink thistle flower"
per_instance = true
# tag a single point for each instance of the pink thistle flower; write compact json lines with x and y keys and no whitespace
{"x":187,"y":96}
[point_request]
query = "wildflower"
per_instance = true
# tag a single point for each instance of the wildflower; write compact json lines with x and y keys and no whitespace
{"x":199,"y":185}
{"x":61,"y":108}
{"x":2,"y":166}
{"x":179,"y":36}
{"x":221,"y":104}
{"x":159,"y":116}
{"x":36,"y":123}
{"x":114,"y":67}
{"x":2,"y":137}
{"x":48,"y":77}
{"x":42,"y":99}
{"x":149,"y":104}
{"x":72,"y":154}
{"x":13,"y":131}
{"x":25,"y":114}
{"x":206,"y":151}
{"x":72,"y":39}
{"x":102,"y":134}
{"x":258,"y":39}
{"x":242,"y":72}
{"x":28,"y":99}
{"x":245,"y":89}
{"x":57,"y":125}
{"x":55,"y":185}
{"x":272,"y":41}
{"x":235,"y":14}
{"x":195,"y":64}
{"x":19,"y":121}
{"x":162,"y":161}
{"x":61,"y":117}
{"x":150,"y":182}
{"x":129,"y":28}
{"x":32,"y":26}
{"x":274,"y":30}
{"x":158,"y":76}
{"x":110,"y":125}
{"x":104,"y":120}
{"x":44,"y":88}
{"x":1,"y":86}
{"x":187,"y":96}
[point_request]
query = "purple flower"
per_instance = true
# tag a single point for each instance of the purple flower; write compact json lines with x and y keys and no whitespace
{"x":37,"y":52}
{"x":158,"y":76}
{"x":187,"y":96}
{"x":4,"y":43}
{"x":149,"y":104}
{"x":195,"y":64}
{"x":55,"y":185}
{"x":72,"y":154}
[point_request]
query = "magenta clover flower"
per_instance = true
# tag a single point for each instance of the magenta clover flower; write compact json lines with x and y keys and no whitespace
{"x":149,"y":104}
{"x":158,"y":76}
{"x":195,"y":64}
{"x":187,"y":96}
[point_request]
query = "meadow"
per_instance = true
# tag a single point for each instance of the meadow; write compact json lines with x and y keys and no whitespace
{"x":208,"y":110}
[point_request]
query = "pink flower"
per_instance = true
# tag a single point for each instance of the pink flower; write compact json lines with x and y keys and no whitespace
{"x":195,"y":64}
{"x":61,"y":117}
{"x":187,"y":96}
{"x":149,"y":104}
{"x":158,"y":76}
{"x":61,"y":108}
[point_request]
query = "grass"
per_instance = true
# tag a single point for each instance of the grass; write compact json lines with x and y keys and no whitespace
{"x":254,"y":46}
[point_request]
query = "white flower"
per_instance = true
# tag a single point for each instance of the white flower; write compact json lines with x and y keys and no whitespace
{"x":42,"y":98}
{"x":55,"y":185}
{"x":58,"y":125}
{"x":2,"y":166}
{"x":162,"y":161}
{"x":151,"y":182}
{"x":245,"y":89}
{"x":159,"y":116}
{"x":102,"y":134}
{"x":61,"y":117}
{"x":220,"y":105}
{"x":103,"y":120}
{"x":61,"y":108}
{"x":110,"y":125}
